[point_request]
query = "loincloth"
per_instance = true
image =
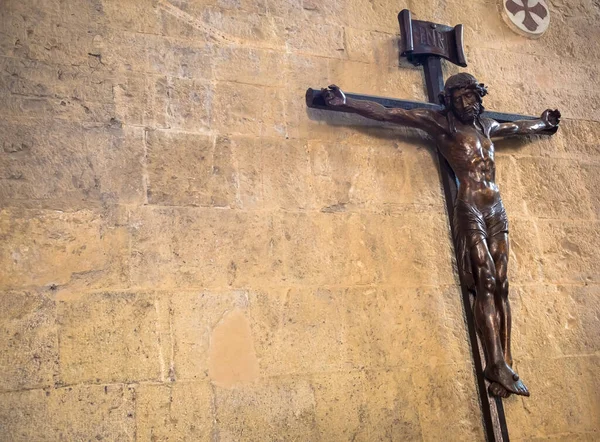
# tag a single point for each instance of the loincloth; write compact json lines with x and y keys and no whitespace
{"x":471,"y":226}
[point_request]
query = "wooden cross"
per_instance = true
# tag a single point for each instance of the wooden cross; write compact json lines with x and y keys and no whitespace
{"x":425,"y":44}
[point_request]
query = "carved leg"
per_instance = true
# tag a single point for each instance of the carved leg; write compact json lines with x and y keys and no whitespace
{"x":487,"y":320}
{"x":499,"y":248}
{"x":486,"y":317}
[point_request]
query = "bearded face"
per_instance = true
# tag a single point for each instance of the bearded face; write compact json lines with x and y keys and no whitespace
{"x":466,"y":104}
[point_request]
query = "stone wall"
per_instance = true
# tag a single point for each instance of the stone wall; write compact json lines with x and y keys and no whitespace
{"x":190,"y":254}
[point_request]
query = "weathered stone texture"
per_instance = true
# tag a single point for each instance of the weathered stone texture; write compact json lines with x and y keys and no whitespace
{"x":100,"y":334}
{"x":189,"y":253}
{"x":101,"y":163}
{"x":29,"y":345}
{"x":82,"y":412}
{"x":172,"y":412}
{"x":46,"y":248}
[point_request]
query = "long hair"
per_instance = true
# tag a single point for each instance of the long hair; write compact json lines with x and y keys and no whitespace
{"x":461,"y":81}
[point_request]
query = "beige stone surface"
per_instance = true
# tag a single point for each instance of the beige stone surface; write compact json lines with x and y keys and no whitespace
{"x":80,"y":412}
{"x":113,"y":337}
{"x":49,"y":248}
{"x":173,"y":412}
{"x":437,"y":395}
{"x":278,"y":410}
{"x":193,"y":247}
{"x":189,"y":253}
{"x":557,"y":321}
{"x":102,"y":163}
{"x":566,"y":398}
{"x":569,"y":251}
{"x":232,"y":357}
{"x":29,"y":345}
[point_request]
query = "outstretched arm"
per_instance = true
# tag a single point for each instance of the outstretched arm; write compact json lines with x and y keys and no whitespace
{"x":549,"y":120}
{"x":423,"y":119}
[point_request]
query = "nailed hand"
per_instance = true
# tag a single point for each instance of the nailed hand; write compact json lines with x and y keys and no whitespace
{"x":551,"y":117}
{"x":333,"y":96}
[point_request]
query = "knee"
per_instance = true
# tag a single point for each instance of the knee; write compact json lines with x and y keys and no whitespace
{"x":487,"y":280}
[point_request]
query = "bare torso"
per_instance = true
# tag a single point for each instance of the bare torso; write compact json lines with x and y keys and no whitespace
{"x":470,"y":153}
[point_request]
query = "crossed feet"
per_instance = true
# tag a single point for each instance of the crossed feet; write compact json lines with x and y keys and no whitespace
{"x":504,"y":381}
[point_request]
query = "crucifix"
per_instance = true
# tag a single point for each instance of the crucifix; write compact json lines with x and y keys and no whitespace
{"x":463,"y":132}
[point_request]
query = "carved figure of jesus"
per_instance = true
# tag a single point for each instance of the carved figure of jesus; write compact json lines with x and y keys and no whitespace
{"x":464,"y":138}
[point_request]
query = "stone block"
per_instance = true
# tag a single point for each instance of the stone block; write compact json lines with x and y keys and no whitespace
{"x":568,"y":384}
{"x":414,"y":249}
{"x":365,"y":78}
{"x":28,"y":349}
{"x":575,"y":140}
{"x":113,"y":337}
{"x":208,"y":327}
{"x":311,"y":337}
{"x":545,"y":197}
{"x":340,"y":405}
{"x":436,"y":394}
{"x":380,"y":175}
{"x":508,"y":178}
{"x":188,"y":104}
{"x":324,"y":40}
{"x":141,"y":100}
{"x":302,"y":72}
{"x":232,"y":357}
{"x":132,"y":16}
{"x":261,"y":181}
{"x":172,"y":412}
{"x":590,"y":173}
{"x":38,"y":34}
{"x":554,"y":321}
{"x":390,"y":406}
{"x":69,"y":165}
{"x":306,"y":11}
{"x":262,"y":67}
{"x":79,"y":250}
{"x":71,"y":109}
{"x":278,"y":409}
{"x":180,"y":58}
{"x":189,"y":170}
{"x":81,"y":412}
{"x":227,"y":26}
{"x":540,"y":81}
{"x":408,"y":249}
{"x":248,"y":110}
{"x":124,"y":51}
{"x":365,"y":406}
{"x":211,"y":248}
{"x":525,"y":257}
{"x":195,"y":315}
{"x":375,"y":15}
{"x":569,"y":252}
{"x":330,"y":249}
{"x":404,"y":328}
{"x":377,"y":48}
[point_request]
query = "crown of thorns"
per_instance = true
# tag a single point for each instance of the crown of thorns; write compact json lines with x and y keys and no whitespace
{"x":461,"y":81}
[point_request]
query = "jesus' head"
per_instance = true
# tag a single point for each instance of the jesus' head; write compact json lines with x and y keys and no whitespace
{"x":463,"y":95}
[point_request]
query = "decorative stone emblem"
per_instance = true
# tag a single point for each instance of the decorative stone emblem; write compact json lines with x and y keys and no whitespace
{"x":529,"y":18}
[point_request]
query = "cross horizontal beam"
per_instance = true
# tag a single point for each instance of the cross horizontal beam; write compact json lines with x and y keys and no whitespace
{"x":315,"y":100}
